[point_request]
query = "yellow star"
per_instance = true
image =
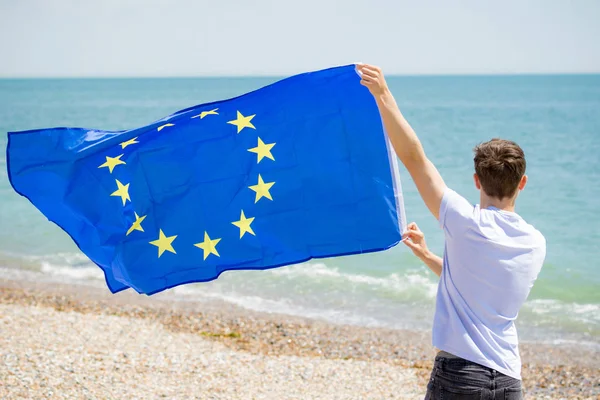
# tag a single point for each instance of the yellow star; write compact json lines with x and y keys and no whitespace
{"x":242,"y":122}
{"x":112,"y":162}
{"x":160,"y":128}
{"x":205,"y":113}
{"x":262,"y":150}
{"x":164,"y":243}
{"x":244,"y":225}
{"x":209,"y":246}
{"x":262,"y":189}
{"x":122,"y":192}
{"x":137,"y":225}
{"x":129,"y":142}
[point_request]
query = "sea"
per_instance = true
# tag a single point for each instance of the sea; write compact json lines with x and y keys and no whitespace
{"x":556,"y":120}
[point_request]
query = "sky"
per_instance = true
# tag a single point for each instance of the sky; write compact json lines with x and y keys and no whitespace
{"x":141,"y":38}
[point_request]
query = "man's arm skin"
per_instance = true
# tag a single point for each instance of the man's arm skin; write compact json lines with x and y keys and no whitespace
{"x":434,"y":263}
{"x":406,"y":144}
{"x":409,"y":149}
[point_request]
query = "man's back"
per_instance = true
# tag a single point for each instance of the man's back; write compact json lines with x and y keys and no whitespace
{"x":491,"y":260}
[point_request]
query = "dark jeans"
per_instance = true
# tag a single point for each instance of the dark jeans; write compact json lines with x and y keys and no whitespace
{"x":456,"y":378}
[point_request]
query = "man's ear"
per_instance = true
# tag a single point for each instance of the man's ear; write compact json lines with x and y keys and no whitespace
{"x":477,"y":183}
{"x":523,"y":182}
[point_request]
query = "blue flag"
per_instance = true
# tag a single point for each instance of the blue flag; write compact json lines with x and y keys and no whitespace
{"x":296,"y":170}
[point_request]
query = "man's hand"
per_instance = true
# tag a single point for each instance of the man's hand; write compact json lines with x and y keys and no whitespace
{"x":415,"y":240}
{"x":372,"y":78}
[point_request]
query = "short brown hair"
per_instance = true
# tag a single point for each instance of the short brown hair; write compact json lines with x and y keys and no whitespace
{"x":499,"y":165}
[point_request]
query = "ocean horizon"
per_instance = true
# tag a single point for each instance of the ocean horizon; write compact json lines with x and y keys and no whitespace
{"x":283,"y":76}
{"x":554,"y":117}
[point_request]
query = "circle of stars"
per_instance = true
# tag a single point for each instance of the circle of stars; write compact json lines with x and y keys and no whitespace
{"x":261,"y":189}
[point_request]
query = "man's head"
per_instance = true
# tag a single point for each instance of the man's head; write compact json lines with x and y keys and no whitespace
{"x":500,"y":168}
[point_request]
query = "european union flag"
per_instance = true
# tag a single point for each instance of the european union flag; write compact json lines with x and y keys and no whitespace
{"x":293,"y":171}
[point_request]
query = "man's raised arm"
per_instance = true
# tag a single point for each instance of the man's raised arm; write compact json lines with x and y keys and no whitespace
{"x":406,"y":144}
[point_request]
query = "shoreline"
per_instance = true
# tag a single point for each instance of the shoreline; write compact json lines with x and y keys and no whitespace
{"x":557,"y":371}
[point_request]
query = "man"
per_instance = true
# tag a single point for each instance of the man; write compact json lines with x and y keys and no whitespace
{"x":491,"y":259}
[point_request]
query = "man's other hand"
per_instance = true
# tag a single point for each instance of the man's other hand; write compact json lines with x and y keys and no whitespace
{"x":415,"y":240}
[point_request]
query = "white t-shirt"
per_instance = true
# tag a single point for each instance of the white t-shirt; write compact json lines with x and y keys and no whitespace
{"x":491,"y":260}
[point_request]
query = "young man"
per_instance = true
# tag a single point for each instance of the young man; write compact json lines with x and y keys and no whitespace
{"x":491,"y":259}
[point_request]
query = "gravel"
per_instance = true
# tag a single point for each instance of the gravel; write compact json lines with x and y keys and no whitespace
{"x":66,"y":354}
{"x":76,"y":342}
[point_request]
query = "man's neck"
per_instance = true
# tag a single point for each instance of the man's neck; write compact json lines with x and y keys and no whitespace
{"x":506,"y":204}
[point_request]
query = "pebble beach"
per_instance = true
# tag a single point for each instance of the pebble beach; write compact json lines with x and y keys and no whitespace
{"x":78,"y":342}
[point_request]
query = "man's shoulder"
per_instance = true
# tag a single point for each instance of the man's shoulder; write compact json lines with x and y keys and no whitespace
{"x":537,"y":243}
{"x":532,"y":238}
{"x":454,"y":203}
{"x":537,"y":238}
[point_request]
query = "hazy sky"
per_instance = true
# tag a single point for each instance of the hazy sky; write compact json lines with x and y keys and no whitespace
{"x":221,"y":37}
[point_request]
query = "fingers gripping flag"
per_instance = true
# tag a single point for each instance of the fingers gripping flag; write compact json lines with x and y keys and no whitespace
{"x":296,"y":170}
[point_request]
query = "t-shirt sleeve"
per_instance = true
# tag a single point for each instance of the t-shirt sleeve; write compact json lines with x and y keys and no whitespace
{"x":455,"y":212}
